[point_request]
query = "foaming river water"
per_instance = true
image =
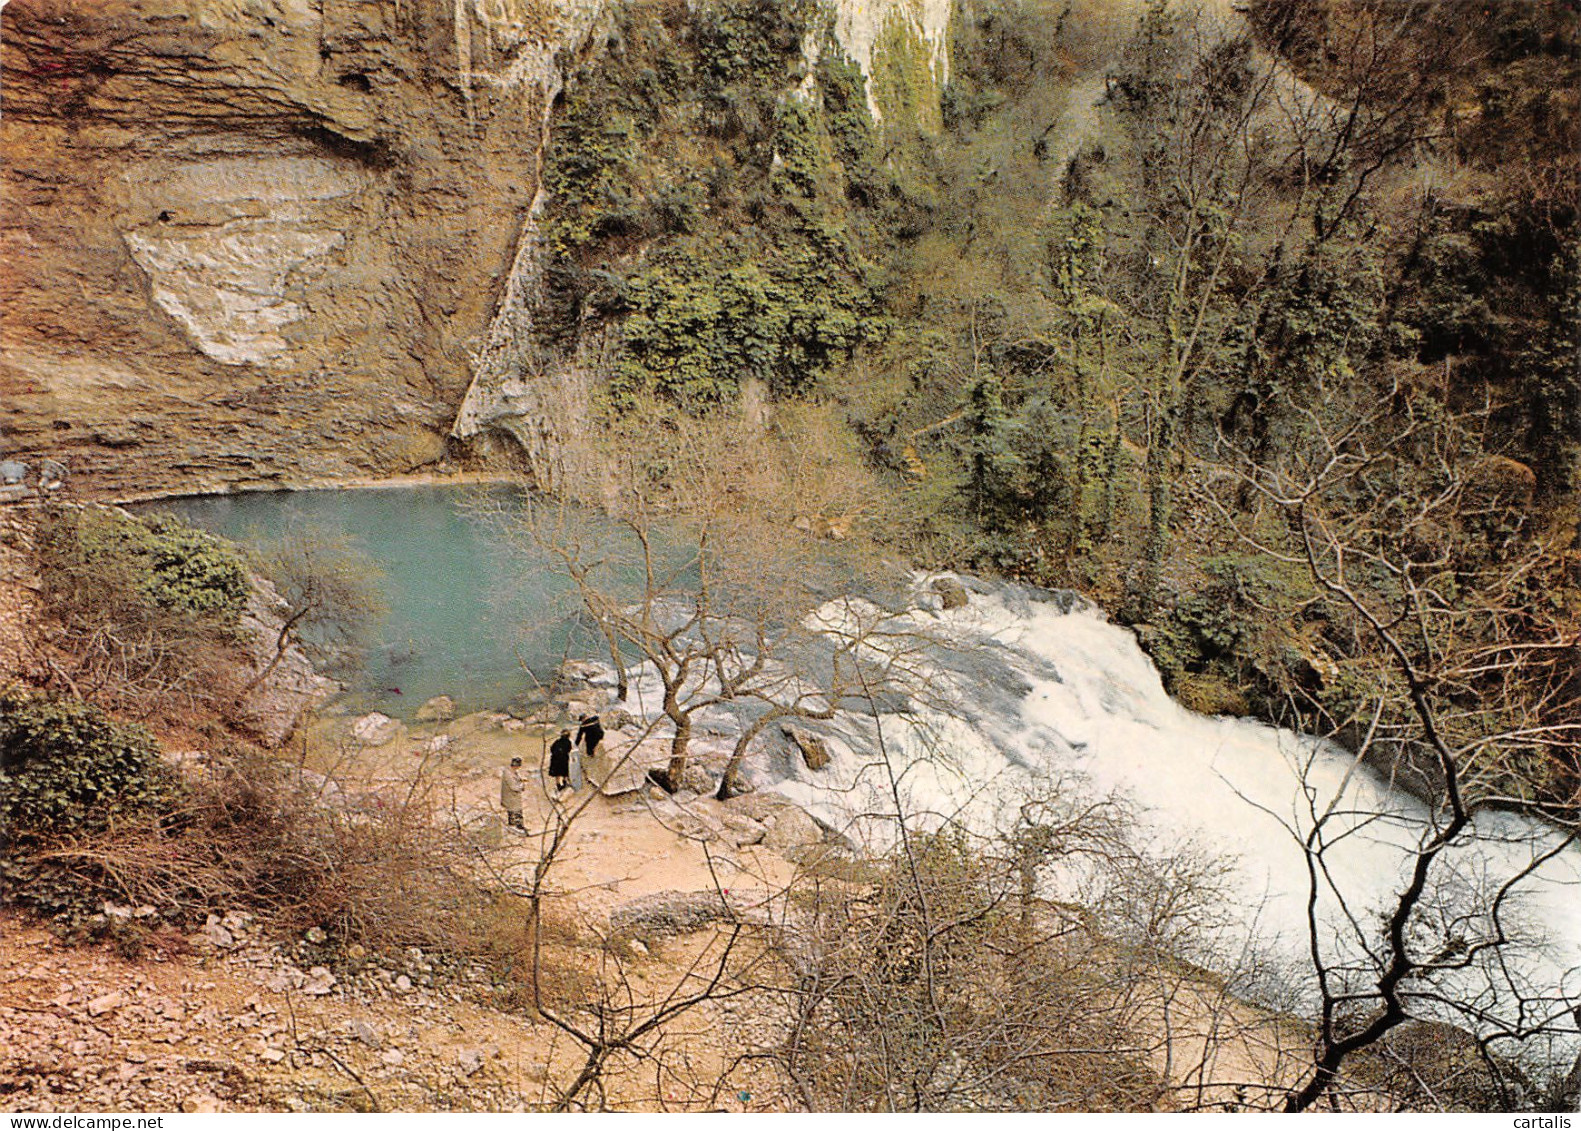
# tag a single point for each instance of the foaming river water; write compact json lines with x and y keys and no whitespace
{"x":1024,"y":688}
{"x":1032,"y":687}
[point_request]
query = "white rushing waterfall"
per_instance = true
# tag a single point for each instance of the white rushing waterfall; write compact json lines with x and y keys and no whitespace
{"x":1028,"y":690}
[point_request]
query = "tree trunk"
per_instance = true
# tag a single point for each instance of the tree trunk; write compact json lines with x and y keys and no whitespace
{"x":1158,"y":508}
{"x":615,"y":658}
{"x":683,"y":735}
{"x":727,"y":780}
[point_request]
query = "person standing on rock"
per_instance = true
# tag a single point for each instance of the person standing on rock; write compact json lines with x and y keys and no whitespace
{"x":511,"y":794}
{"x":560,"y":760}
{"x":589,"y":735}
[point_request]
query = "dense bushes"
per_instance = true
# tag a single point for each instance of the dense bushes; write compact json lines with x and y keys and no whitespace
{"x":66,"y":768}
{"x":143,"y":611}
{"x":949,"y":982}
{"x":753,"y":270}
{"x":90,"y":814}
{"x":158,"y":562}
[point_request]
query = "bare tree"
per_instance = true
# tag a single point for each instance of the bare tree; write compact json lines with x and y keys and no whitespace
{"x":329,"y":589}
{"x":692,"y":573}
{"x":1467,"y":693}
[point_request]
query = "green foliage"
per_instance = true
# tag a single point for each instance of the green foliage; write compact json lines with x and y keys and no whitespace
{"x":100,"y":557}
{"x":992,"y":463}
{"x":852,"y":132}
{"x":66,"y":768}
{"x":754,"y":271}
{"x":801,"y":162}
{"x":904,"y":84}
{"x":191,"y":571}
{"x":700,"y":324}
{"x":1219,"y":645}
{"x":588,"y":168}
{"x":143,"y":610}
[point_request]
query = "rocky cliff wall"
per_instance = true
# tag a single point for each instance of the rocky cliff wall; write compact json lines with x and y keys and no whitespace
{"x":539,"y":401}
{"x":254,"y":242}
{"x":259,"y":241}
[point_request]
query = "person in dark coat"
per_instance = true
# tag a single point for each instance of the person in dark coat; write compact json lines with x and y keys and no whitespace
{"x":590,"y":734}
{"x":560,"y":760}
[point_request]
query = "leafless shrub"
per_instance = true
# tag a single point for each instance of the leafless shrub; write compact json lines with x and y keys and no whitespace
{"x":254,"y":834}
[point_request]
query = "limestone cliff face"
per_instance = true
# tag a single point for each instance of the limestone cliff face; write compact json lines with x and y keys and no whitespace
{"x":248,"y":241}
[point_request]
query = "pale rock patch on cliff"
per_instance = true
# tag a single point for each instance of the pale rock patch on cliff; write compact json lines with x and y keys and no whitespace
{"x":235,"y":239}
{"x":227,"y":285}
{"x":861,"y":26}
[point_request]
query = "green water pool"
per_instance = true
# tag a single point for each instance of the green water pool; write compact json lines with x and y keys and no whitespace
{"x":474,"y":610}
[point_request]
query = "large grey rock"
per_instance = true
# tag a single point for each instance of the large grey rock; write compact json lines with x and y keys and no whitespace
{"x":743,"y":831}
{"x":273,"y":707}
{"x":52,"y":474}
{"x":814,"y":750}
{"x":578,"y":671}
{"x":617,"y":718}
{"x":670,"y":913}
{"x":375,"y":729}
{"x":791,"y":829}
{"x":439,"y":709}
{"x":787,"y":828}
{"x":696,"y":780}
{"x":586,"y":701}
{"x":759,"y":806}
{"x":689,"y":816}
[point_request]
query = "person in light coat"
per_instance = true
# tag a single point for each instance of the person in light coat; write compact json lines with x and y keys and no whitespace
{"x":511,"y":794}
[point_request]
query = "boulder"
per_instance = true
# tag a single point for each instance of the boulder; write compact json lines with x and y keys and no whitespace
{"x":106,"y":1003}
{"x":951,"y":592}
{"x":52,"y":474}
{"x":683,"y":816}
{"x":320,"y":981}
{"x":814,"y":750}
{"x":742,"y":831}
{"x":578,"y":671}
{"x":215,"y":934}
{"x":586,"y":701}
{"x":439,"y":709}
{"x":438,"y":744}
{"x":375,"y":729}
{"x":696,"y":780}
{"x":790,"y":829}
{"x":760,"y":806}
{"x":669,"y":913}
{"x":292,"y":687}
